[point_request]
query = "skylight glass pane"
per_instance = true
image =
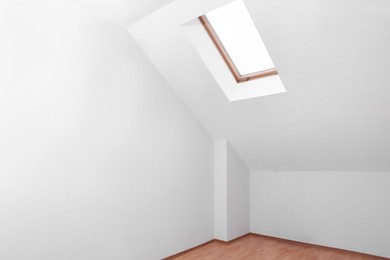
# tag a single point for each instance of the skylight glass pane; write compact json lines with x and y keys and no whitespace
{"x":238,"y":34}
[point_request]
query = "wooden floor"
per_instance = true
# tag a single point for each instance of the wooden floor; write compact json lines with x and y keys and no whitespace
{"x":262,"y":247}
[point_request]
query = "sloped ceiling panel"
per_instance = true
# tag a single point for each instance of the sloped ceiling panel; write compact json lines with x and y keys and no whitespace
{"x":122,"y":12}
{"x":334,"y":61}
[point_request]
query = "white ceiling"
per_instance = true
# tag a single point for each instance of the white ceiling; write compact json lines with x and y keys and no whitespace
{"x":122,"y":12}
{"x":334,"y":60}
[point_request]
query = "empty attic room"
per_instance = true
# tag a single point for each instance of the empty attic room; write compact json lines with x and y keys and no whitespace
{"x":194,"y":129}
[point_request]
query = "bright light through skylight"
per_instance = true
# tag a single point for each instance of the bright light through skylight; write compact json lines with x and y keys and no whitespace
{"x":239,"y":36}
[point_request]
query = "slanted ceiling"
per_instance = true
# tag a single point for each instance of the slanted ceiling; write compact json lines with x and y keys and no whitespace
{"x":122,"y":12}
{"x":334,"y":60}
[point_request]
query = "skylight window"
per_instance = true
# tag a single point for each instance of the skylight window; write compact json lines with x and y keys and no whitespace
{"x":234,"y":33}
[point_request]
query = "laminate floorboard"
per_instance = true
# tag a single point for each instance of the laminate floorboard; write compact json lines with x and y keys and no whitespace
{"x":251,"y":247}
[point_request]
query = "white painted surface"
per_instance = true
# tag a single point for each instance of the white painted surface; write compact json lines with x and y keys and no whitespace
{"x":348,"y":210}
{"x":231,"y":193}
{"x":122,"y":12}
{"x":333,"y":58}
{"x":220,"y":190}
{"x":99,"y":159}
{"x":237,"y":196}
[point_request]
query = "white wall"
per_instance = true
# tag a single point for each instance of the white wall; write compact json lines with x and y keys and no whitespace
{"x":231,"y":193}
{"x":99,"y":159}
{"x":237,"y":196}
{"x":220,"y":190}
{"x":348,"y":210}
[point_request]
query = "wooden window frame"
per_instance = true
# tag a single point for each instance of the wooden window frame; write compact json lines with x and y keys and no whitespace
{"x":228,"y":60}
